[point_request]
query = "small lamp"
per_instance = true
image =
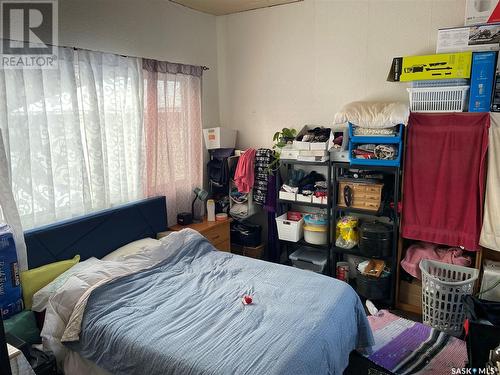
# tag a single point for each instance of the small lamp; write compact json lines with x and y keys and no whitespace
{"x":200,"y":194}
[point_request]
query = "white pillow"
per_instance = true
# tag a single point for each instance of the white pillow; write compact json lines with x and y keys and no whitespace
{"x":373,"y":115}
{"x":131,"y":248}
{"x":41,"y":298}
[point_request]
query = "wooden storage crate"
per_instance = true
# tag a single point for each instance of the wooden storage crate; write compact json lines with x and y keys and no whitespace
{"x":366,"y":196}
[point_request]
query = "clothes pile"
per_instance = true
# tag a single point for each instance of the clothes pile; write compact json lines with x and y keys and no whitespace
{"x":311,"y":184}
{"x":318,"y":134}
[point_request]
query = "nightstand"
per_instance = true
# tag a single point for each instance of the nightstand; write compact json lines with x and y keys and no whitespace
{"x":217,"y":232}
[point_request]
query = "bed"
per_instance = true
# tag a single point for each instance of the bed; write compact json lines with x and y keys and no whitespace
{"x":176,"y":308}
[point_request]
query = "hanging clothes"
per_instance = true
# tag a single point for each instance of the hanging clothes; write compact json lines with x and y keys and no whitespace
{"x":263,"y":157}
{"x":273,"y":249}
{"x":490,"y":234}
{"x":244,"y":174}
{"x":444,"y":178}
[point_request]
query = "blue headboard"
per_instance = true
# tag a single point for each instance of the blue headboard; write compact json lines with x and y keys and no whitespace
{"x":97,"y":234}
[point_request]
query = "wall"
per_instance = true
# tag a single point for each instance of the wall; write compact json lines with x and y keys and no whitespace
{"x":155,"y":29}
{"x":297,"y":64}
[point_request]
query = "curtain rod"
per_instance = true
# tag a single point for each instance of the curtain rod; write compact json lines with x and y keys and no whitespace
{"x":203,"y":67}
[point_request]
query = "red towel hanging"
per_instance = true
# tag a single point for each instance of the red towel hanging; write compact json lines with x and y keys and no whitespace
{"x":444,"y":178}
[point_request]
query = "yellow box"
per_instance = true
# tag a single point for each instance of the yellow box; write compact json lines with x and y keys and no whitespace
{"x":440,"y":66}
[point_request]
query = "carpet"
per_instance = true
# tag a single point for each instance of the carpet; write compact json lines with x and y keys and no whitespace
{"x":403,"y":346}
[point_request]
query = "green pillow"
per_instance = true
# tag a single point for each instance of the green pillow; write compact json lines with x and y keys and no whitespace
{"x":35,"y":279}
{"x":23,"y":325}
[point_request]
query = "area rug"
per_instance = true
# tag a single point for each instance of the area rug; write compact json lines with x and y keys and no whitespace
{"x":403,"y":346}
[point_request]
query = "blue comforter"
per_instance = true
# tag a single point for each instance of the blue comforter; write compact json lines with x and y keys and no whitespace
{"x":185,"y":316}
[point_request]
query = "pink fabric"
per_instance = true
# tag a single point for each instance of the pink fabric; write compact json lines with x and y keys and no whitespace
{"x":244,"y":174}
{"x":425,"y":250}
{"x":444,"y":178}
{"x":173,"y":136}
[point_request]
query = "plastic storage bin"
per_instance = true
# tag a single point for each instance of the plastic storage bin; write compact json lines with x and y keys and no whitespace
{"x":289,"y":230}
{"x":438,"y":99}
{"x":443,"y":286}
{"x":219,"y":138}
{"x":309,"y":259}
{"x":375,"y":239}
{"x":396,"y":139}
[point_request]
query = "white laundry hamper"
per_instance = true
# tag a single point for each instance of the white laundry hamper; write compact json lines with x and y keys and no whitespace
{"x":443,"y":286}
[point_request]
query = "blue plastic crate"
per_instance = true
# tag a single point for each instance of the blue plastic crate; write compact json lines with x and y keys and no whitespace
{"x":375,"y":138}
{"x":356,"y":140}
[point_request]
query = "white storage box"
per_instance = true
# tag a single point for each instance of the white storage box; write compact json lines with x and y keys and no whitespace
{"x":325,"y":146}
{"x":438,"y":99}
{"x":319,"y":200}
{"x":287,"y":195}
{"x":289,"y":230}
{"x":303,"y":198}
{"x":309,"y":259}
{"x":289,"y":154}
{"x":219,"y":138}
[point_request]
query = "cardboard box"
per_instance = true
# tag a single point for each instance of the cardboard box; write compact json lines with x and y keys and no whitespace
{"x":469,"y":38}
{"x":495,"y":97}
{"x":219,"y":138}
{"x":312,"y":152}
{"x":481,"y":11}
{"x":411,"y":293}
{"x":481,"y":81}
{"x":431,"y":67}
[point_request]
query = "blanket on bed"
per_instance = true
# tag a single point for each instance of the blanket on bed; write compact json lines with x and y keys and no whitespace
{"x":184,"y":315}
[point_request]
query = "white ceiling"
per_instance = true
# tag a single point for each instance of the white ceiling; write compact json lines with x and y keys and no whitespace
{"x":221,"y":7}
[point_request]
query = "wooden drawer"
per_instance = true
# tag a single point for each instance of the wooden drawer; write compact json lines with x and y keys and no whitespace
{"x":218,"y":234}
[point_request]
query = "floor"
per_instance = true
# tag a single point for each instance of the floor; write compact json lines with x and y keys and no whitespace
{"x":359,"y":365}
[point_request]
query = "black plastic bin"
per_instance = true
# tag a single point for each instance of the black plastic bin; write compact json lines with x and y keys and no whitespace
{"x":246,"y":234}
{"x":375,"y":288}
{"x":481,"y":336}
{"x":375,"y":239}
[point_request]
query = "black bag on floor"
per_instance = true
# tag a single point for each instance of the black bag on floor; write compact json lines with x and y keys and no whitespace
{"x":482,"y":326}
{"x":245,"y":234}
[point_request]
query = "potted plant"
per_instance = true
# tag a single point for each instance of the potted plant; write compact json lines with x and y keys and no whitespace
{"x":281,"y":139}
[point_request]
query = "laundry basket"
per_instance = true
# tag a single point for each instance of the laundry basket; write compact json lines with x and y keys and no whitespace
{"x":443,"y":286}
{"x":438,"y":99}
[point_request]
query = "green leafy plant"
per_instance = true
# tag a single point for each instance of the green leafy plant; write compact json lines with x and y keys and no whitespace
{"x":280,"y":139}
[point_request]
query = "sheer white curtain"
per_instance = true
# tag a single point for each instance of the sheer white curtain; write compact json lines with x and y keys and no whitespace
{"x":74,"y":135}
{"x":173,"y":127}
